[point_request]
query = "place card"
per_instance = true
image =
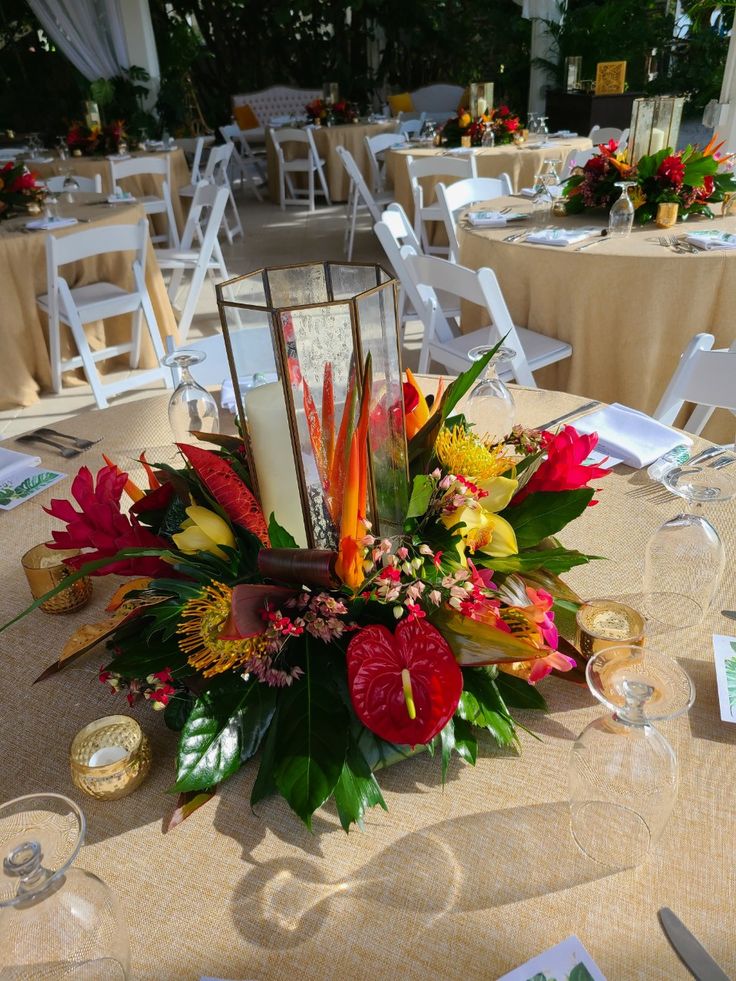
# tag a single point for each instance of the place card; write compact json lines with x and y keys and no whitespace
{"x":724,"y":653}
{"x":21,"y":478}
{"x":568,"y":961}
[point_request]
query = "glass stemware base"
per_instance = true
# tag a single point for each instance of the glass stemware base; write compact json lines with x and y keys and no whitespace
{"x":191,"y":407}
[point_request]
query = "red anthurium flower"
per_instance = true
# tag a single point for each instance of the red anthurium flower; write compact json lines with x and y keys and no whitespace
{"x":404,"y":686}
{"x":103,"y":528}
{"x":672,"y":169}
{"x":563,"y":469}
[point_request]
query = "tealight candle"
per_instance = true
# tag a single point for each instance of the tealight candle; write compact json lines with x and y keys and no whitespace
{"x":110,"y":757}
{"x":44,"y":568}
{"x":603,"y":623}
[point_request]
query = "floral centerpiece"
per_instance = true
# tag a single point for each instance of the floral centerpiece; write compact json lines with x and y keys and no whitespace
{"x":89,"y":141}
{"x":335,"y":664}
{"x":331,"y":114}
{"x":19,"y":190}
{"x":691,"y":178}
{"x":501,"y":122}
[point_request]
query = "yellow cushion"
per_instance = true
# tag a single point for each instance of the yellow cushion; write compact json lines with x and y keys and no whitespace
{"x":401,"y":103}
{"x":245,"y":117}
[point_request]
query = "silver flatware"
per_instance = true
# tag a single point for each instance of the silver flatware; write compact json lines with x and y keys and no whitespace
{"x":589,"y":245}
{"x":689,"y":949}
{"x":731,"y":614}
{"x":66,"y":451}
{"x":79,"y":442}
{"x":568,"y":415}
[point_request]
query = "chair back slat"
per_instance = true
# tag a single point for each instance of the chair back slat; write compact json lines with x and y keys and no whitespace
{"x":97,"y":241}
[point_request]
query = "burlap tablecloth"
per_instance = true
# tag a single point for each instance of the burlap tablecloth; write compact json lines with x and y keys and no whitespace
{"x":461,"y":882}
{"x":326,"y":140}
{"x":24,"y":366}
{"x":628,"y":306}
{"x":521,"y":164}
{"x":91,"y":166}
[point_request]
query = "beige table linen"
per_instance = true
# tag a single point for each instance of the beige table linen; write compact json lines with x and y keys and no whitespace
{"x":91,"y":166}
{"x":521,"y":164}
{"x":627,"y":305}
{"x":326,"y":140}
{"x":24,"y":366}
{"x":452,"y":884}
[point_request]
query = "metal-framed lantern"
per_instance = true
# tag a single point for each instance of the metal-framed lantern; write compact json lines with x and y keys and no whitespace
{"x":655,"y":125}
{"x":314,"y":325}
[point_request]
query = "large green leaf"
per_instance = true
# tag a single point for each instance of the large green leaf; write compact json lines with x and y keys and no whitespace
{"x":224,"y":729}
{"x":553,"y":560}
{"x":580,"y":973}
{"x":357,"y":789}
{"x":545,"y":513}
{"x":279,"y":537}
{"x":447,"y":739}
{"x":466,"y":745}
{"x":311,"y":741}
{"x":481,"y":705}
{"x":138,"y":659}
{"x":265,"y":785}
{"x":421,"y":492}
{"x":519,"y":693}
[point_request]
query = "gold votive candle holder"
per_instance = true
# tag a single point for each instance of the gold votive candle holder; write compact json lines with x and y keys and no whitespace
{"x":44,"y":568}
{"x":603,"y":623}
{"x":465,"y":141}
{"x":110,"y":757}
{"x":667,"y":213}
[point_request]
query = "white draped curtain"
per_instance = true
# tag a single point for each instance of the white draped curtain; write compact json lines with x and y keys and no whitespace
{"x":539,"y":11}
{"x":89,"y":32}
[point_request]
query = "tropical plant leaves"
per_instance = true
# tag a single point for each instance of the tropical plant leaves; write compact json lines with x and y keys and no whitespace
{"x":421,"y":492}
{"x":553,"y":560}
{"x":481,"y":705}
{"x":357,"y":789}
{"x":518,"y":693}
{"x":224,"y":728}
{"x":466,"y":745}
{"x":730,"y":666}
{"x":279,"y":537}
{"x":546,"y":513}
{"x":265,"y":785}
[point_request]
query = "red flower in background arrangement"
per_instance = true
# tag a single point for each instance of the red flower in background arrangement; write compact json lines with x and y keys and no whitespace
{"x":102,"y":527}
{"x":563,"y":468}
{"x":672,"y":169}
{"x":704,"y":192}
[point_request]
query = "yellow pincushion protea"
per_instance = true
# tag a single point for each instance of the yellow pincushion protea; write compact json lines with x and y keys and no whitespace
{"x":202,"y":621}
{"x":462,"y":453}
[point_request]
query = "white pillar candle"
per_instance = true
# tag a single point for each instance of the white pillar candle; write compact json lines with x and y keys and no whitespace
{"x":482,"y":106}
{"x":656,"y":143}
{"x":270,"y":440}
{"x":107,"y":755}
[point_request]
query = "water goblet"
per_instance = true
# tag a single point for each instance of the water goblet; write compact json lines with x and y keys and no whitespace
{"x":542,"y":127}
{"x":61,"y":148}
{"x":490,"y":405}
{"x":532,"y":123}
{"x":488,"y":140}
{"x":70,"y":182}
{"x":622,"y":771}
{"x":51,"y":208}
{"x":621,"y":215}
{"x":191,"y":407}
{"x":550,"y":173}
{"x":541,"y":202}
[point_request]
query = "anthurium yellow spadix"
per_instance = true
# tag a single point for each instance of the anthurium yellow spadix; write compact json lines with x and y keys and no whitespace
{"x":204,"y":531}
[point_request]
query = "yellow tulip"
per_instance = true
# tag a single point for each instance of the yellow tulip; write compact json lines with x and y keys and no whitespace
{"x":204,"y":531}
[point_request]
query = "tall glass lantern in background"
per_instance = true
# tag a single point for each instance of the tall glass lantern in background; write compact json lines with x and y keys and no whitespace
{"x":655,"y":125}
{"x":481,"y":98}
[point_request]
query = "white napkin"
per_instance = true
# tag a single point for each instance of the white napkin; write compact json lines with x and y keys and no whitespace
{"x":40,"y":160}
{"x":563,"y":134}
{"x":120,"y":199}
{"x":487,"y":219}
{"x":51,"y":223}
{"x":712,"y":239}
{"x":560,"y":236}
{"x":631,"y":435}
{"x":462,"y":149}
{"x":118,"y":156}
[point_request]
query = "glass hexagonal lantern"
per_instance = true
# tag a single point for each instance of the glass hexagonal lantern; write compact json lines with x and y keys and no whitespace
{"x":298,"y":339}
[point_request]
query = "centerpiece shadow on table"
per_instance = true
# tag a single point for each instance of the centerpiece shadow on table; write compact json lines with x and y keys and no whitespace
{"x":426,"y":871}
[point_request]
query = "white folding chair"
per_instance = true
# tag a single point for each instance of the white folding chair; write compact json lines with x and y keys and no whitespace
{"x":252,"y":350}
{"x":193,"y":147}
{"x":443,"y":340}
{"x":413,"y":125}
{"x":215,"y":172}
{"x":602,"y":134}
{"x":200,"y":261}
{"x":245,"y":165}
{"x":77,"y":306}
{"x":152,"y":204}
{"x":425,"y":208}
{"x":375,"y":147}
{"x":310,"y":165}
{"x":453,"y":198}
{"x":703,"y":376}
{"x":91,"y":185}
{"x":576,"y":158}
{"x":358,"y":196}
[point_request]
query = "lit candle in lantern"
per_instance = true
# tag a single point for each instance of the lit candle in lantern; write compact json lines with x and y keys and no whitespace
{"x":270,"y":439}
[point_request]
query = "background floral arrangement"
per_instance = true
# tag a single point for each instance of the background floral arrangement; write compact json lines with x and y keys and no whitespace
{"x":501,"y":121}
{"x":19,"y":190}
{"x":335,"y":664}
{"x":690,"y":178}
{"x":96,"y":140}
{"x":335,"y":114}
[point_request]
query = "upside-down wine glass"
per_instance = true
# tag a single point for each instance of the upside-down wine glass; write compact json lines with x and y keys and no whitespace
{"x":56,"y":921}
{"x":621,"y":215}
{"x":191,"y":407}
{"x":622,"y":771}
{"x":490,"y":405}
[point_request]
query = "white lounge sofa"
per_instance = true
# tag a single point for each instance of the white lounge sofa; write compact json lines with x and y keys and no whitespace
{"x":271,"y":104}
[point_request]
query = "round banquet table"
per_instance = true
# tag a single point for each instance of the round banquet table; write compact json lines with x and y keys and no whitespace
{"x":25,"y":367}
{"x":627,"y":305}
{"x":520,"y":163}
{"x":137,"y":186}
{"x":436,"y":888}
{"x":326,"y":140}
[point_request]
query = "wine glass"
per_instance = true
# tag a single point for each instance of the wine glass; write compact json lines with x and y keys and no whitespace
{"x":622,"y":771}
{"x":56,"y":921}
{"x":532,"y":124}
{"x":490,"y":405}
{"x":70,"y":181}
{"x":542,"y":127}
{"x":488,"y":139}
{"x":191,"y":407}
{"x":542,"y":201}
{"x":550,"y":173}
{"x":61,"y":148}
{"x":621,"y":215}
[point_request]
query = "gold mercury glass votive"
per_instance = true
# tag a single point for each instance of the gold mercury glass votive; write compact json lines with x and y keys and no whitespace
{"x":603,"y":623}
{"x":44,"y":568}
{"x":666,"y":214}
{"x":110,"y":757}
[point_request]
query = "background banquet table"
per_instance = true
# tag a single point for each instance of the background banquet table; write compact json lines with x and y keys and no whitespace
{"x":137,"y":186}
{"x":459,"y":882}
{"x":521,"y":164}
{"x":326,"y":140}
{"x":627,"y":305}
{"x":25,"y":367}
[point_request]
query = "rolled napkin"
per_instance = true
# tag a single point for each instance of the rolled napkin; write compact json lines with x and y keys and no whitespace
{"x":712,"y":239}
{"x":489,"y":219}
{"x":51,"y":223}
{"x":561,"y":236}
{"x":633,"y":436}
{"x":40,"y":160}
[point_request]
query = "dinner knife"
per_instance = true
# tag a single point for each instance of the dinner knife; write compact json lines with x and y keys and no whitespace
{"x":689,"y":949}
